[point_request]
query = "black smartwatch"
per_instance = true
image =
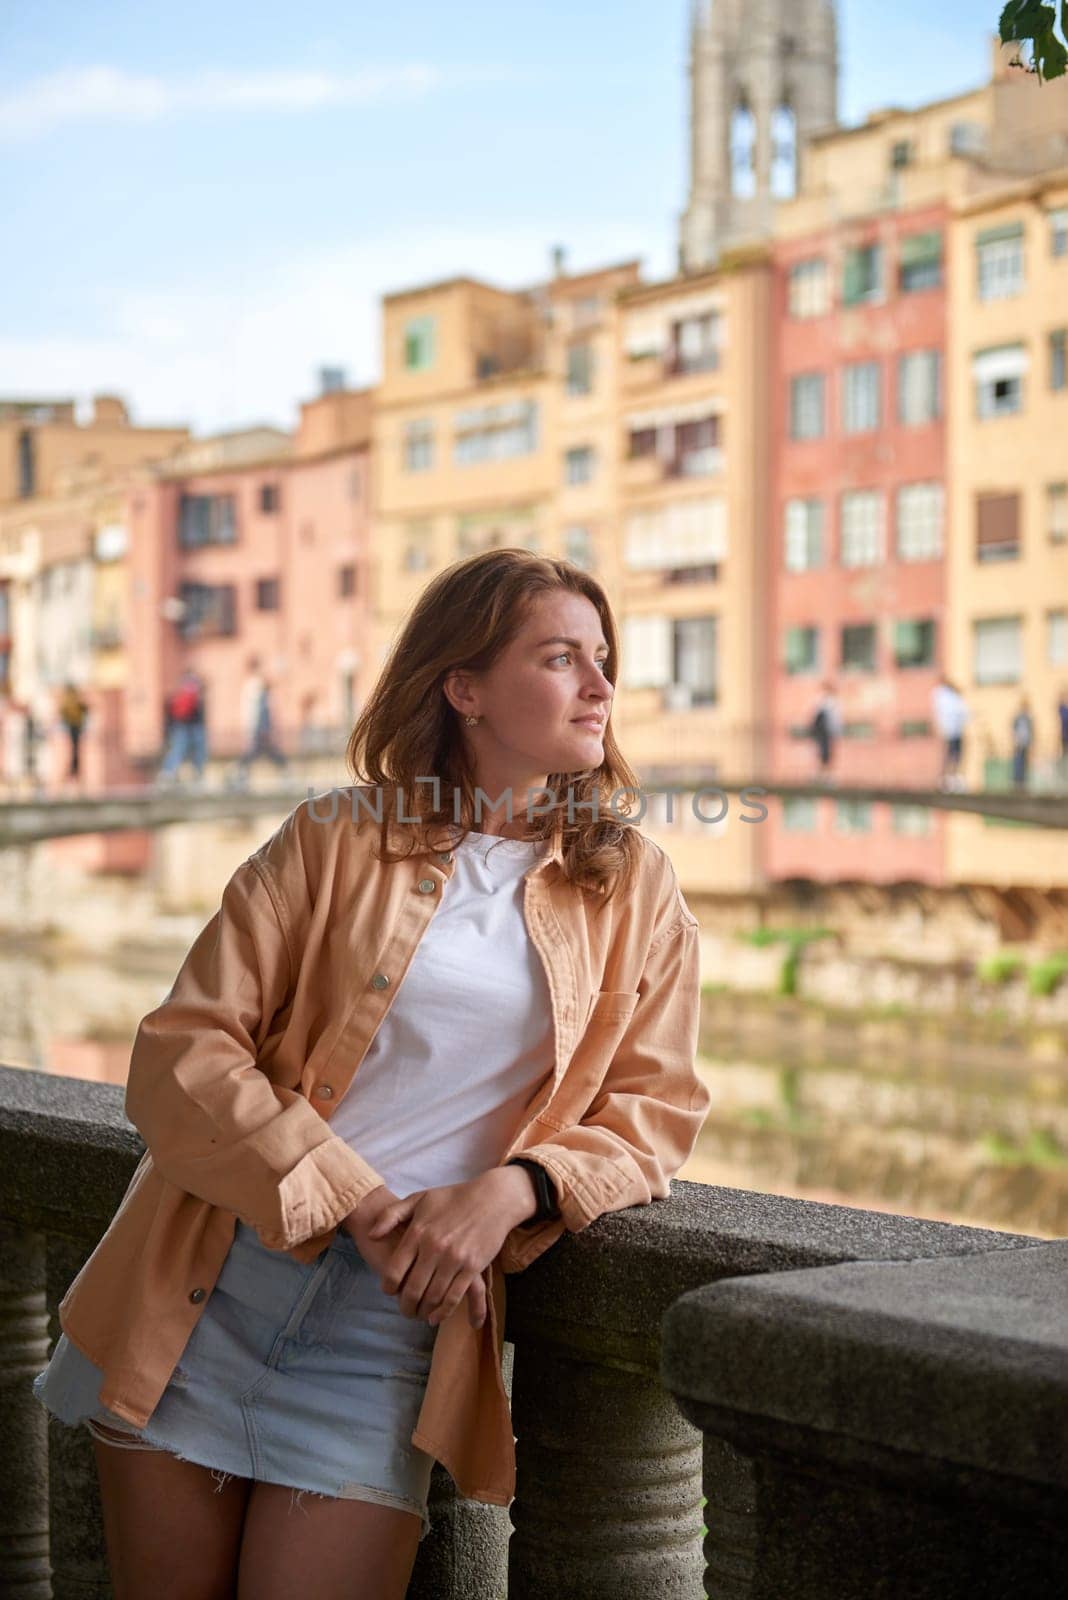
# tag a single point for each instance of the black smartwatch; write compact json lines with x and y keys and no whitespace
{"x":548,"y":1209}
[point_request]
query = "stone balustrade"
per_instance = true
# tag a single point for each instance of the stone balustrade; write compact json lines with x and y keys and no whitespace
{"x":782,"y":1358}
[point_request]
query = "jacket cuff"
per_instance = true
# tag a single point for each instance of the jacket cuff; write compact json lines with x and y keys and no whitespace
{"x":324,"y":1186}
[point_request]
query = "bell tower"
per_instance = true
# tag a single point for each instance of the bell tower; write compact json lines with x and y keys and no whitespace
{"x":763,"y":79}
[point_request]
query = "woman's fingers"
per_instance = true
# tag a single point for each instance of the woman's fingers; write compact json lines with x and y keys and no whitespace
{"x":436,"y":1293}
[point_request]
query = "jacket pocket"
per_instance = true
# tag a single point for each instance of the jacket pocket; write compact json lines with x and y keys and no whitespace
{"x":607,"y":1016}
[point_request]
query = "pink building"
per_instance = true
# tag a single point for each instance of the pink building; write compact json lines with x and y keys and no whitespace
{"x":255,"y":545}
{"x":856,"y":550}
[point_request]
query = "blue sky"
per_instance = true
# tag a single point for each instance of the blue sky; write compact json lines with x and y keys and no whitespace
{"x":200,"y":206}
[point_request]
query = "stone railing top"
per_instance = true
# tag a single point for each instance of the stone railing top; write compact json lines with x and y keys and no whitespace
{"x":964,"y":1360}
{"x":67,"y":1154}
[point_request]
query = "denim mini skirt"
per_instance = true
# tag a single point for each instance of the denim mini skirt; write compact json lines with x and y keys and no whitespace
{"x":305,"y":1375}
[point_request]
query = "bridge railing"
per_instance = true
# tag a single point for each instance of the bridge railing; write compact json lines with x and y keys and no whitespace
{"x":860,"y":1397}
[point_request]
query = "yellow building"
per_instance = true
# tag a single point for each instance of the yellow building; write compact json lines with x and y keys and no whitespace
{"x":693,"y":511}
{"x":40,"y":440}
{"x":495,"y":424}
{"x":1007,"y":553}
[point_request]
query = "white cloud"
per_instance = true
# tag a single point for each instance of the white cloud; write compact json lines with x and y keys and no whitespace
{"x":224,"y":353}
{"x":111,"y":94}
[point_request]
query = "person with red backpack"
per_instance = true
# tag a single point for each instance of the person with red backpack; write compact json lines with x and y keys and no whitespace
{"x":185,"y":731}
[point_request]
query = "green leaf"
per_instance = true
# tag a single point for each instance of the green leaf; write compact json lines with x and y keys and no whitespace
{"x":1025,"y":19}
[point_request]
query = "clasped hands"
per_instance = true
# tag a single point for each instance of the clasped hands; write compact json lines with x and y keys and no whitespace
{"x":431,"y":1248}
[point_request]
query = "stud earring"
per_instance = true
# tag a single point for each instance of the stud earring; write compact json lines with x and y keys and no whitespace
{"x":470,"y":721}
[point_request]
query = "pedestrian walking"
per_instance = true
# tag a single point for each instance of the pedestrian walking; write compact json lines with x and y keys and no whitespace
{"x":73,"y":714}
{"x":826,"y":727}
{"x":1023,"y":733}
{"x":257,"y":721}
{"x":359,"y":1114}
{"x":951,"y":717}
{"x":185,"y":728}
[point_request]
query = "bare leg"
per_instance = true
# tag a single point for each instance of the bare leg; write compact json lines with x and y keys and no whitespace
{"x":173,"y":1530}
{"x":296,"y":1545}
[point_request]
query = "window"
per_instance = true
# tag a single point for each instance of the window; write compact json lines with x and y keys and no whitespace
{"x":685,"y":537}
{"x":997,"y":527}
{"x":1057,"y":638}
{"x":1058,"y":231}
{"x":804,"y":535}
{"x":862,"y":528}
{"x":919,"y":521}
{"x":783,"y":175}
{"x":806,"y":406}
{"x":27,"y":465}
{"x":999,"y":261}
{"x":807,"y":288}
{"x":641,"y":442}
{"x":852,"y":816}
{"x":419,"y":344}
{"x":914,"y":643}
{"x":910,"y":822}
{"x":578,"y":546}
{"x":801,"y":652}
{"x":696,"y":343}
{"x":579,"y":368}
{"x":270,"y":497}
{"x":647,"y":652}
{"x":1057,"y":512}
{"x":206,"y":519}
{"x":1058,"y":375}
{"x":919,"y":387}
{"x":862,"y":275}
{"x":920,"y":262}
{"x":678,"y":656}
{"x":418,"y":447}
{"x":495,"y":433}
{"x":417,"y":547}
{"x":267,"y":594}
{"x":743,"y":152}
{"x":998,"y":374}
{"x":695,"y":661}
{"x":346,"y":581}
{"x":900,"y":154}
{"x":997,"y":645}
{"x":799,"y":813}
{"x":208,"y":610}
{"x":858,"y":647}
{"x":579,"y":464}
{"x":914,"y":728}
{"x":860,"y":397}
{"x":697,"y":449}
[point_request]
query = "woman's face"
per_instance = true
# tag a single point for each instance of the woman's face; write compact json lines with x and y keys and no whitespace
{"x":544,"y":703}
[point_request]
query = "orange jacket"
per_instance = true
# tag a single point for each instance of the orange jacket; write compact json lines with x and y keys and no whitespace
{"x":234,"y":1076}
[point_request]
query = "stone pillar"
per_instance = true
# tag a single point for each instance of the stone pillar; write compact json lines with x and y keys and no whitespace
{"x":78,"y":1551}
{"x":23,"y":1422}
{"x":731,"y":1521}
{"x":608,"y":1497}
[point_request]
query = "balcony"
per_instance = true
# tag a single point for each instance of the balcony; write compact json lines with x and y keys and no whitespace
{"x":872,"y":1405}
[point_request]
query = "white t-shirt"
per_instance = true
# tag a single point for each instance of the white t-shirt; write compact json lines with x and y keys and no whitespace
{"x":469,"y":1037}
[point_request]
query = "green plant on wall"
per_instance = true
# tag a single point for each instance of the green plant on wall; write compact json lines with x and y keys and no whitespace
{"x":999,"y":967}
{"x":1045,"y":975}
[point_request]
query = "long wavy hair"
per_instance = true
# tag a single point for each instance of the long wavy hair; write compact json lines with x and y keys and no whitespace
{"x":462,"y":620}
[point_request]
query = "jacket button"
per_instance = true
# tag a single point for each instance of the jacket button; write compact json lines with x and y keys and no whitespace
{"x":427,"y":885}
{"x":446,"y":858}
{"x":379,"y":981}
{"x":324,"y":1091}
{"x":196,"y":1295}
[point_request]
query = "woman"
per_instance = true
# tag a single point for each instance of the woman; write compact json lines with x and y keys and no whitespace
{"x":403,"y":1058}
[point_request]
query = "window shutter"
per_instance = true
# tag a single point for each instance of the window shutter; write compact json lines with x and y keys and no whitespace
{"x":997,"y":519}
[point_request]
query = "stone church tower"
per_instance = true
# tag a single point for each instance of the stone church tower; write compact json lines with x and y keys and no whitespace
{"x":763,"y":78}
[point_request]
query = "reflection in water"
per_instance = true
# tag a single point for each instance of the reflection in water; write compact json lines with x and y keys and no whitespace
{"x":944,"y":1118}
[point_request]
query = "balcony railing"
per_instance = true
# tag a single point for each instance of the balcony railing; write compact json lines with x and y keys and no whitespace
{"x":871,"y":1404}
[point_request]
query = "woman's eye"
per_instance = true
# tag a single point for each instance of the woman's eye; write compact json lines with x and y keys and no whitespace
{"x":565,"y":655}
